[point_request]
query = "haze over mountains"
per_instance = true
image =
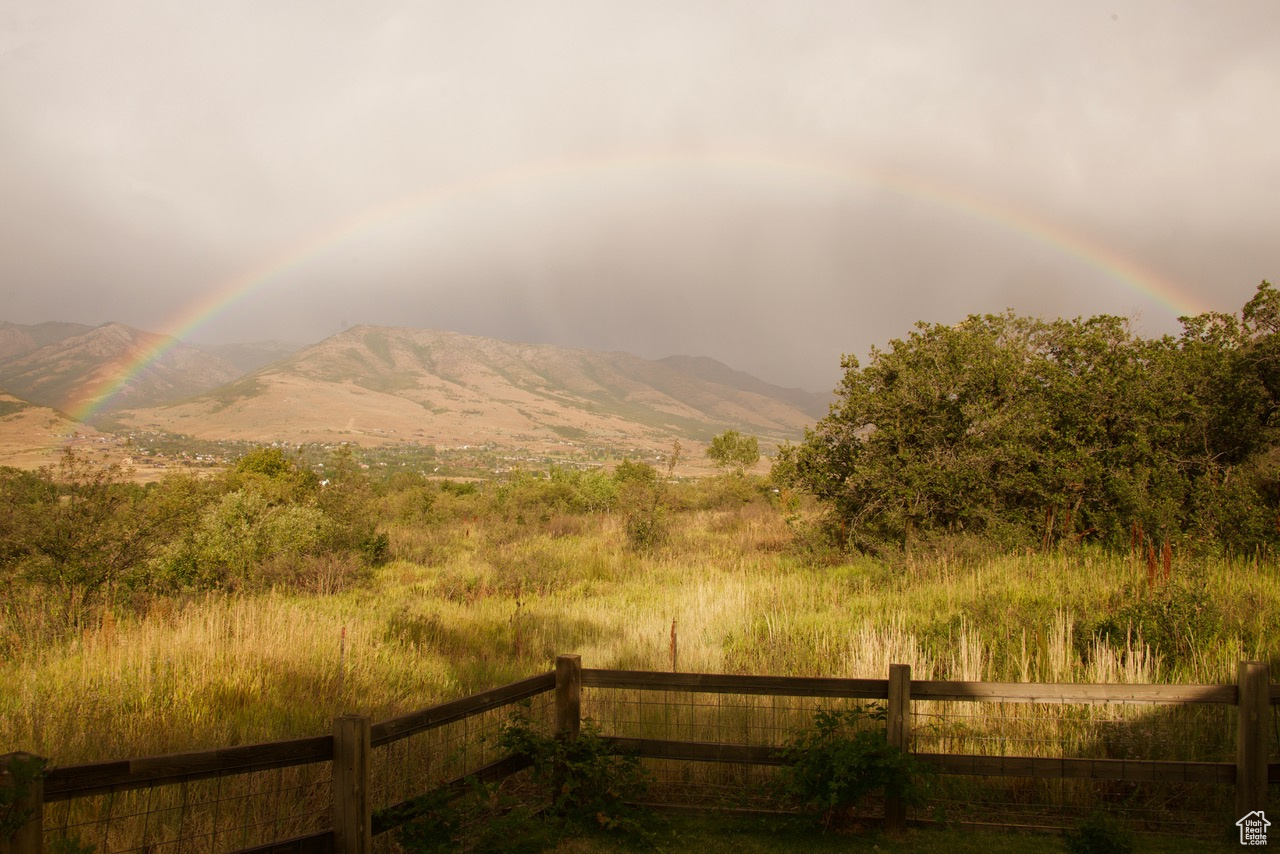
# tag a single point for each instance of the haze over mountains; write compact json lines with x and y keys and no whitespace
{"x":376,"y":385}
{"x":381,"y":384}
{"x":74,"y":368}
{"x":17,"y":339}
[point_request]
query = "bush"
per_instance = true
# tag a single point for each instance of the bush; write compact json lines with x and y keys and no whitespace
{"x":589,"y":786}
{"x":726,"y":491}
{"x":845,"y":756}
{"x":22,"y":773}
{"x":646,"y":529}
{"x":579,"y":787}
{"x":635,"y":472}
{"x":1175,"y":622}
{"x":238,"y":534}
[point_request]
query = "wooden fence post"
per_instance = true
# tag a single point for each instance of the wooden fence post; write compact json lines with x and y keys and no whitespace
{"x":898,"y":730}
{"x":568,"y":696}
{"x":352,"y":804}
{"x":1251,"y":737}
{"x":28,"y":838}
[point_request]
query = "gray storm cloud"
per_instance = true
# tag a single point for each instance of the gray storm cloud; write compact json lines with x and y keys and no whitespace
{"x":580,"y":173}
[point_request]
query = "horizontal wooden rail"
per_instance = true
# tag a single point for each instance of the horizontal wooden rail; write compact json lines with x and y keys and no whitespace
{"x":877,"y":689}
{"x":74,"y":781}
{"x":393,"y":729}
{"x":64,"y":783}
{"x":951,"y":763}
{"x":698,"y":751}
{"x":724,"y":683}
{"x":312,"y":843}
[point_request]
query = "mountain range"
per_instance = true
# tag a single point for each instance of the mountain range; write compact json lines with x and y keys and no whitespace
{"x":378,"y":385}
{"x":66,"y":366}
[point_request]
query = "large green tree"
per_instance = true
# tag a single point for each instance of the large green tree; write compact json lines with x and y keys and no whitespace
{"x":734,"y":452}
{"x":1029,"y":431}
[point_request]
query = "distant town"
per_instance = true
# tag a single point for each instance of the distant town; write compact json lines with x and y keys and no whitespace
{"x":156,"y":453}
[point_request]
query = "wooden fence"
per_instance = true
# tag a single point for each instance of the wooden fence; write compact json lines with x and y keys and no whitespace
{"x":348,"y":748}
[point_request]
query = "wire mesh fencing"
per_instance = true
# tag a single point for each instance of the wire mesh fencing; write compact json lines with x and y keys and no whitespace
{"x":281,"y":794}
{"x":1129,"y":737}
{"x":227,"y":812}
{"x":718,"y":722}
{"x":406,"y":768}
{"x":1164,"y":765}
{"x":1161,"y":758}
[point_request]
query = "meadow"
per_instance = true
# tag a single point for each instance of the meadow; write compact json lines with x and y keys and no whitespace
{"x":477,"y":593}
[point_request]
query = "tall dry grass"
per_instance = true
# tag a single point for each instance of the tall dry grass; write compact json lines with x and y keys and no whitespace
{"x":485,"y":601}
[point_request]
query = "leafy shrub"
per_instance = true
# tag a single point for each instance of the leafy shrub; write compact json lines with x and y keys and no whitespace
{"x":238,"y":534}
{"x":1174,"y":621}
{"x":597,"y":492}
{"x":588,"y":785}
{"x":724,"y":492}
{"x":643,"y":505}
{"x":268,"y":472}
{"x":528,"y":497}
{"x":14,"y":787}
{"x":580,"y":786}
{"x":1030,"y":432}
{"x":376,"y":549}
{"x":845,"y":756}
{"x":646,"y":529}
{"x":411,"y":504}
{"x":635,"y":472}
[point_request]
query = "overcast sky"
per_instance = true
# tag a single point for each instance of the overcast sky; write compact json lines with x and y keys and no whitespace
{"x":772,"y":184}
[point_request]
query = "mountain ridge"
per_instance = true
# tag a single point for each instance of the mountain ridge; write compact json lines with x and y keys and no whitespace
{"x":67,"y":373}
{"x":17,"y":339}
{"x":437,"y":387}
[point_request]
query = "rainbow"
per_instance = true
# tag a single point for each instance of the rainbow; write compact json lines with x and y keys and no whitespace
{"x":296,"y":255}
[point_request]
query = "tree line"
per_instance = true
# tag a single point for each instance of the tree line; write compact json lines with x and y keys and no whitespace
{"x":80,"y":536}
{"x":85,"y":534}
{"x":1032,"y":433}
